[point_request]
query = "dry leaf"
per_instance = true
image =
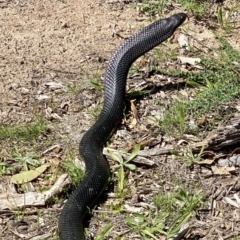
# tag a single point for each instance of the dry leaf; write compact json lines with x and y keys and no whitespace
{"x":207,"y":161}
{"x":28,"y":176}
{"x":222,"y":170}
{"x":133,"y":123}
{"x":133,"y":109}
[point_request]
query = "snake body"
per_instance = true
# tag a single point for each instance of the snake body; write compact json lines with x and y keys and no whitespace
{"x":91,"y":145}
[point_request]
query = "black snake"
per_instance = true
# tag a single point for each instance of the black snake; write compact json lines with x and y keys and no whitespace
{"x":91,"y":145}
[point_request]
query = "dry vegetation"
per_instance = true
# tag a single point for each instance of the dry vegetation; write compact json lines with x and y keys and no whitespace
{"x":52,"y":61}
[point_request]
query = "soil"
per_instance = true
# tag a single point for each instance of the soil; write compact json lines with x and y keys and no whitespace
{"x":51,"y":52}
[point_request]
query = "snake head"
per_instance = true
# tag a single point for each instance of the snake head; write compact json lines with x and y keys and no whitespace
{"x":177,"y":19}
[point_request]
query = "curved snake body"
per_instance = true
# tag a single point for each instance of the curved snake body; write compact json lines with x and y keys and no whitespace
{"x":91,"y":145}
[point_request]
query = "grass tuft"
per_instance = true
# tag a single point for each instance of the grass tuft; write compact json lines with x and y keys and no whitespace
{"x":217,"y":84}
{"x":27,"y":132}
{"x":172,"y":211}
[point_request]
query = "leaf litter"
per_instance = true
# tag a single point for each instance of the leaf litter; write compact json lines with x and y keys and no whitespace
{"x":48,"y":56}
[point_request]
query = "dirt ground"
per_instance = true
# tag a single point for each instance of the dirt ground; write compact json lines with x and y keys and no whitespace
{"x":50,"y":52}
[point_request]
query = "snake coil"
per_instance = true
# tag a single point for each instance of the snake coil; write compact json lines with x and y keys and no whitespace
{"x":91,"y":145}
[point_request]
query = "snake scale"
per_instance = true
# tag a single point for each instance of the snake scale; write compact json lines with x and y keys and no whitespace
{"x":91,"y":145}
